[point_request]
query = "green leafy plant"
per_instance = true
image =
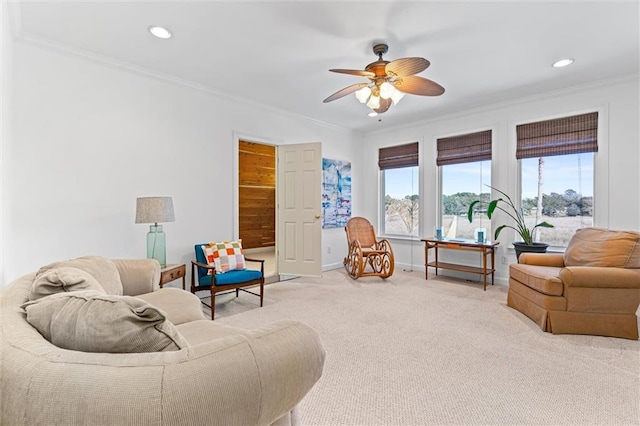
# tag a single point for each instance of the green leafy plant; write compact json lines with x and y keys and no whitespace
{"x":511,"y":210}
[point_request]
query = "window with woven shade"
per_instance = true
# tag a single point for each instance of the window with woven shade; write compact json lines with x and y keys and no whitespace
{"x":557,"y":174}
{"x":465,"y":170}
{"x":400,"y":203}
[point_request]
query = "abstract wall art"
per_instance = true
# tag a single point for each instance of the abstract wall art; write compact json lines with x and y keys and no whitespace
{"x":336,"y":193}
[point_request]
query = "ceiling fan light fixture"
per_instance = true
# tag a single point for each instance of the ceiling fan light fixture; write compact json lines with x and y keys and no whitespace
{"x":160,"y":32}
{"x":388,"y":81}
{"x":386,"y":90}
{"x":374,"y":102}
{"x":397,"y":95}
{"x":363,"y":94}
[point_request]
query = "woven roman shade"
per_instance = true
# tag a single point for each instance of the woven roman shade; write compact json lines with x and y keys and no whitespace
{"x":398,"y":156}
{"x":464,"y":148}
{"x":567,"y":135}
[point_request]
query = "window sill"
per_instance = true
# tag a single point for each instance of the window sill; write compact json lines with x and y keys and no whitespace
{"x":400,"y":238}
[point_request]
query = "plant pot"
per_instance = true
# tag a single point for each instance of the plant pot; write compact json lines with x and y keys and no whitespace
{"x":522,"y":247}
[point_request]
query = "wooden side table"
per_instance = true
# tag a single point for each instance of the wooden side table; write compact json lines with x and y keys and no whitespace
{"x":173,"y":272}
{"x":487,"y":249}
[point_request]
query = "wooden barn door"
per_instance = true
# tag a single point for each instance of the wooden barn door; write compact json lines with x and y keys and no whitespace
{"x":257,"y":194}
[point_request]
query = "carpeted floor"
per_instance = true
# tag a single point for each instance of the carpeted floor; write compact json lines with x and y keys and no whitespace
{"x":410,"y":351}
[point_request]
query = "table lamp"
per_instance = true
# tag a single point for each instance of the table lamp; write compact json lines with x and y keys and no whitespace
{"x":155,"y":210}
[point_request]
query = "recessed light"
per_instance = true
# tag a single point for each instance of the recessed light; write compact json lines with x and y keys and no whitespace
{"x":160,"y":32}
{"x":562,"y":63}
{"x":372,"y":114}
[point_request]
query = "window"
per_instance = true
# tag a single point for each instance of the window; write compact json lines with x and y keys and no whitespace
{"x":465,"y":166}
{"x":400,"y":189}
{"x":557,"y":174}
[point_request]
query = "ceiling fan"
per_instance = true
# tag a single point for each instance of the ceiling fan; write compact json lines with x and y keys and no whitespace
{"x":389,"y":81}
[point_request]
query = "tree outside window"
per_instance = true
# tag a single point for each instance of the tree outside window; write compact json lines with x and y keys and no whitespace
{"x":401,"y":201}
{"x":566,"y":199}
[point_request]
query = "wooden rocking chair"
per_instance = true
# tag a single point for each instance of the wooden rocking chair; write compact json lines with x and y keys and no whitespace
{"x":367,"y":256}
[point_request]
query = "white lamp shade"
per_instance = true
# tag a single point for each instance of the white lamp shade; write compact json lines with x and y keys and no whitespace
{"x":363,"y":94}
{"x":397,"y":95}
{"x":386,"y":90}
{"x":374,"y":102}
{"x":154,"y":210}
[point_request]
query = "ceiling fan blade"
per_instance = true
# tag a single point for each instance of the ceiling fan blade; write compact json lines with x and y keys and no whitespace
{"x":344,"y":92}
{"x":361,"y":73}
{"x":384,"y":105}
{"x":407,"y":66}
{"x":418,"y":86}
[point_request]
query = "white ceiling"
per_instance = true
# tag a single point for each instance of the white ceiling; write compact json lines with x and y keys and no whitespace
{"x":279,"y":53}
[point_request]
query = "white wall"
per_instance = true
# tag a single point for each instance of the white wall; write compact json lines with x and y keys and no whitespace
{"x":85,"y":139}
{"x":89,"y":138}
{"x":6,"y":99}
{"x":617,"y":201}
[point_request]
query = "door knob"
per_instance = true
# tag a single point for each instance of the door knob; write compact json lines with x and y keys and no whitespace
{"x":317,"y":216}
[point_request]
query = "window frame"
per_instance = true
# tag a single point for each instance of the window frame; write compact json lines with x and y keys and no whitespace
{"x":382,"y":194}
{"x":518,"y":202}
{"x":440,"y":209}
{"x":493,"y":129}
{"x":600,"y":166}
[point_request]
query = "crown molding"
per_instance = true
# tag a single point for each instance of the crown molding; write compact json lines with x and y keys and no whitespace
{"x":22,"y":36}
{"x":511,"y":102}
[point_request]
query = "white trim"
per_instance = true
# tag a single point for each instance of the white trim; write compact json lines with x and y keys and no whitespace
{"x":332,"y":266}
{"x":463,"y":112}
{"x":43,"y":43}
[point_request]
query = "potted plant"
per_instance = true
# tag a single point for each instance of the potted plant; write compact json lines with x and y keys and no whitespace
{"x":527,"y":244}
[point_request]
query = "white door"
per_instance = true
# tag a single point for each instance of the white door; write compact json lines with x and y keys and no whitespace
{"x":299,"y":208}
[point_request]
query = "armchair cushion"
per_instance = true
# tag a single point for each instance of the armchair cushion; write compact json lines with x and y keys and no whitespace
{"x":231,"y":277}
{"x":234,"y":277}
{"x":603,"y":247}
{"x":225,"y":256}
{"x":543,"y":279}
{"x":60,"y":280}
{"x":91,"y":321}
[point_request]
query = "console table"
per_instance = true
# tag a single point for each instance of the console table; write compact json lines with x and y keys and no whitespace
{"x":487,"y":249}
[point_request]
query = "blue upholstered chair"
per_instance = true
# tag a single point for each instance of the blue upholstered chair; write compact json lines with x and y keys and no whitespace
{"x":231,"y":280}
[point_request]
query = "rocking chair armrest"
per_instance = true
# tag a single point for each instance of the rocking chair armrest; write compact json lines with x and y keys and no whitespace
{"x":384,"y":243}
{"x":355,"y":244}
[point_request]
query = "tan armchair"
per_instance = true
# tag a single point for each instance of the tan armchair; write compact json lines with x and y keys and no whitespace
{"x":593,"y":288}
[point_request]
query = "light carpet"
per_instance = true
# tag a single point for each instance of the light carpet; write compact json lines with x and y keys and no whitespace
{"x":410,"y":351}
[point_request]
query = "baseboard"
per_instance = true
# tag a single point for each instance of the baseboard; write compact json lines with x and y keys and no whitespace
{"x":332,"y":266}
{"x":420,"y":268}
